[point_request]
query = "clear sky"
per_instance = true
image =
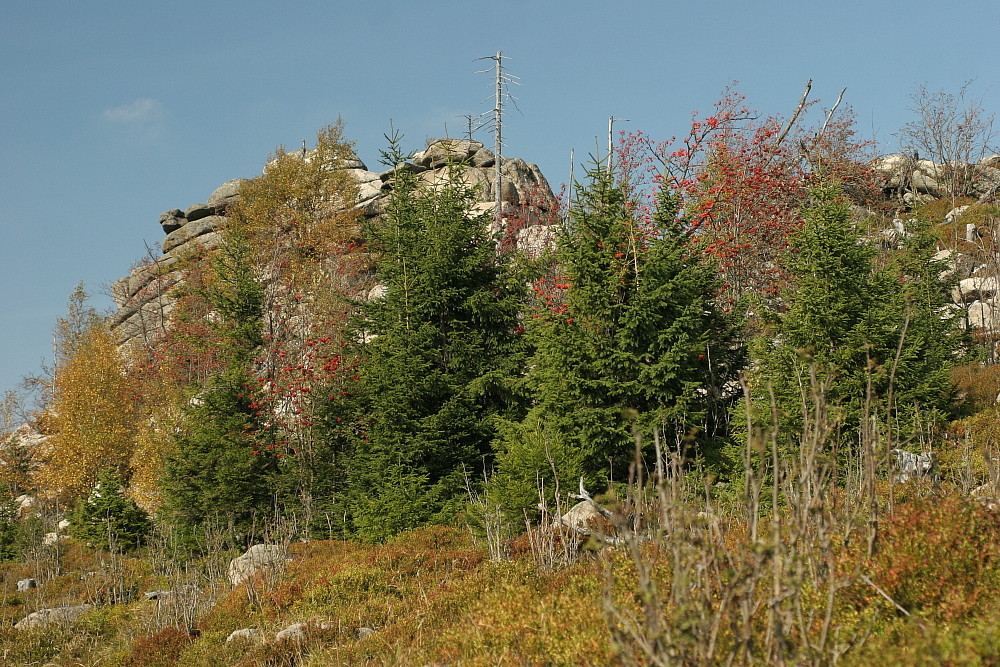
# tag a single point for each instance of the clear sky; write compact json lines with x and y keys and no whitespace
{"x":113,"y":112}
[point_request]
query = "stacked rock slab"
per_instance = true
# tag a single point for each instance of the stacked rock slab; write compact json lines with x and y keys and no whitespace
{"x":145,"y":298}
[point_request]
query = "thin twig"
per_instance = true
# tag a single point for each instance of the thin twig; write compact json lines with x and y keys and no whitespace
{"x":881,"y":592}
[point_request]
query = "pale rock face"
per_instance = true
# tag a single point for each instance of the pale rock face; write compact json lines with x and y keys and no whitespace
{"x":145,"y":298}
{"x":977,"y":288}
{"x":257,"y":558}
{"x":225,"y":195}
{"x":53,"y":616}
{"x":955,"y":213}
{"x":582,"y":517}
{"x":245,"y":635}
{"x":983,"y":315}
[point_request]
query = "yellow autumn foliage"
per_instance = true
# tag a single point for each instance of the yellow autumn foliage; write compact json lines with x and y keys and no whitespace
{"x":94,"y":415}
{"x":298,"y":213}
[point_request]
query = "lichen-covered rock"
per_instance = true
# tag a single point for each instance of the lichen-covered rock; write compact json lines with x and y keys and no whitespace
{"x":53,"y":616}
{"x":244,"y":635}
{"x":226,"y":195}
{"x":172,"y":220}
{"x":190,"y":231}
{"x":198,"y":211}
{"x":258,"y":558}
{"x":444,"y":152}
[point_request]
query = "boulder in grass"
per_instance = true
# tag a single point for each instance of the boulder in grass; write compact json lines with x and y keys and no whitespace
{"x":244,"y":635}
{"x":53,"y":616}
{"x":258,"y":558}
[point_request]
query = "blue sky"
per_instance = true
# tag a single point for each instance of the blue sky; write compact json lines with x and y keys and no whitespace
{"x":116,"y":111}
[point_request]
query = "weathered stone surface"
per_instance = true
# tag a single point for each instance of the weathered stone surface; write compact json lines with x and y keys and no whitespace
{"x":190,"y":231}
{"x":410,"y":167}
{"x":172,"y":220}
{"x":987,"y":182}
{"x":976,"y":288}
{"x":924,"y":179}
{"x":198,"y":211}
{"x":909,"y":465}
{"x":145,"y":297}
{"x":955,"y":213}
{"x":26,"y":505}
{"x":25,"y":585}
{"x":364,"y":176}
{"x":444,"y":152}
{"x":296,"y":632}
{"x":53,"y":616}
{"x":258,"y":558}
{"x":484,"y":158}
{"x":244,"y":635}
{"x":225,"y":196}
{"x":27,"y":436}
{"x":983,"y":315}
{"x":582,"y":517}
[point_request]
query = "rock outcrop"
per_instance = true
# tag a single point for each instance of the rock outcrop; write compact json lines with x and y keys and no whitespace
{"x":258,"y":558}
{"x":146,"y":297}
{"x":53,"y":616}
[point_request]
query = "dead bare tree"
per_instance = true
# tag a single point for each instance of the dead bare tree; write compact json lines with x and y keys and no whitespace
{"x":951,"y":129}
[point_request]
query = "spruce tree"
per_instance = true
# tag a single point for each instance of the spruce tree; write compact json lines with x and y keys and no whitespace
{"x":217,"y":469}
{"x":874,"y":336}
{"x":627,"y":342}
{"x":437,"y":355}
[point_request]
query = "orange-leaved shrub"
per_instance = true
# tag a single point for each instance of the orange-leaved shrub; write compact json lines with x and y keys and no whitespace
{"x":939,"y":556}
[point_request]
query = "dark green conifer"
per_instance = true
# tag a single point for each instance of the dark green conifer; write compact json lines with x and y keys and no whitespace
{"x":439,"y":349}
{"x":216,"y":470}
{"x":628,"y":341}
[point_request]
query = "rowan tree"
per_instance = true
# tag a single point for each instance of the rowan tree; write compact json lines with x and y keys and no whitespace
{"x":742,"y":180}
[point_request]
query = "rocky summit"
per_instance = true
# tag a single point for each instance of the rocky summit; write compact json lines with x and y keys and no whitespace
{"x":144,"y":298}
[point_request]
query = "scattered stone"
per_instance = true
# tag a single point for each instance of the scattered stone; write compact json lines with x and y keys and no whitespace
{"x":257,"y":558}
{"x":293,"y":633}
{"x":582,"y":517}
{"x":53,"y":616}
{"x":244,"y":635}
{"x":364,"y":632}
{"x":955,"y":213}
{"x":914,"y":466}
